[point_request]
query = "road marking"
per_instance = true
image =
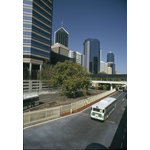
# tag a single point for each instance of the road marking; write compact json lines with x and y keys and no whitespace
{"x":118,"y":95}
{"x":110,"y":121}
{"x":123,"y":100}
{"x":121,"y":145}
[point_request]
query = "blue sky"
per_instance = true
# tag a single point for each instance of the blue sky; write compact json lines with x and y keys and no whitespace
{"x":105,"y":20}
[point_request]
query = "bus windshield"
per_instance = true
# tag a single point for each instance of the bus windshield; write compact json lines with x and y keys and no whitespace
{"x":98,"y":110}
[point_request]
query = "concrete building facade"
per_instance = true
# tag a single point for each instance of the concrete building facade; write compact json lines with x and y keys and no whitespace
{"x":60,"y":49}
{"x":37,"y":33}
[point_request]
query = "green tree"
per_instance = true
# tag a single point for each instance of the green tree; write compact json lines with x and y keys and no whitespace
{"x":84,"y":91}
{"x":46,"y":74}
{"x":71,"y":76}
{"x":96,"y":87}
{"x":102,"y":72}
{"x":90,"y":73}
{"x":104,"y":87}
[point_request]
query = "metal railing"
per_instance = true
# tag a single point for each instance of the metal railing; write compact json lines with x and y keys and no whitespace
{"x":50,"y":113}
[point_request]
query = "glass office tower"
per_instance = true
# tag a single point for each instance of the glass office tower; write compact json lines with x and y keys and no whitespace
{"x":91,"y":55}
{"x":110,"y":61}
{"x":37,"y":32}
{"x":61,"y":36}
{"x":110,"y":57}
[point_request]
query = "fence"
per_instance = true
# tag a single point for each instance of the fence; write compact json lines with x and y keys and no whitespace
{"x":50,"y":113}
{"x":35,"y":86}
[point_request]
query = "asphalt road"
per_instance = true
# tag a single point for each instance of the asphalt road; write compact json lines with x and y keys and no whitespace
{"x":79,"y":131}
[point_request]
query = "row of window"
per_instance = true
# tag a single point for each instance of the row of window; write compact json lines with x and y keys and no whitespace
{"x":42,"y":11}
{"x":27,"y":2}
{"x":41,"y":25}
{"x":27,"y":18}
{"x":27,"y":34}
{"x":26,"y":10}
{"x":28,"y":26}
{"x":26,"y":49}
{"x":35,"y":51}
{"x":41,"y":18}
{"x":39,"y":38}
{"x":40,"y":32}
{"x":44,"y":6}
{"x":25,"y":41}
{"x":44,"y":47}
{"x":110,"y":106}
{"x":38,"y":52}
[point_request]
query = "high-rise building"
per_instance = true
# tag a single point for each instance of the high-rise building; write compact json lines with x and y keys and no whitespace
{"x":37,"y":32}
{"x":103,"y":67}
{"x":60,"y":49}
{"x":110,"y":57}
{"x":100,"y":55}
{"x":76,"y":55}
{"x":110,"y":61}
{"x":61,"y":36}
{"x":91,"y":55}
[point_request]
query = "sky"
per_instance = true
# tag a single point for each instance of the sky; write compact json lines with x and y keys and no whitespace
{"x":105,"y":20}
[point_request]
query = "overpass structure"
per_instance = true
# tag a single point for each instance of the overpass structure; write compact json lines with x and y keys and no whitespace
{"x":94,"y":82}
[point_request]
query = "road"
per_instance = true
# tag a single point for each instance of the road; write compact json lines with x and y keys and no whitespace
{"x":79,"y":131}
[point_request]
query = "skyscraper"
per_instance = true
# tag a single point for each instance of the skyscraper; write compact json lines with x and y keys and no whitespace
{"x":110,"y":57}
{"x":76,"y":55}
{"x":37,"y":32}
{"x":91,"y":55}
{"x":103,"y":67}
{"x":61,"y":36}
{"x":110,"y":61}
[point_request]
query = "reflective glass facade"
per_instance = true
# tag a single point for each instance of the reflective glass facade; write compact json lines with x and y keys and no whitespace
{"x":110,"y":61}
{"x":37,"y":29}
{"x":91,"y":55}
{"x":62,"y":36}
{"x":110,"y":57}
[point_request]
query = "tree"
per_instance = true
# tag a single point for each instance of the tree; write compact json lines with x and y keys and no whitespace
{"x":46,"y":74}
{"x":102,"y":72}
{"x":96,"y":87}
{"x":71,"y":76}
{"x":104,"y":87}
{"x":90,"y":73}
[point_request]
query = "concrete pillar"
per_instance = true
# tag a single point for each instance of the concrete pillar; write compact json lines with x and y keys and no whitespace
{"x":30,"y":69}
{"x":111,"y":87}
{"x":40,"y":67}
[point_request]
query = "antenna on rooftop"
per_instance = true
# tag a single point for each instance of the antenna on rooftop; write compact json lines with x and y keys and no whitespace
{"x":62,"y":23}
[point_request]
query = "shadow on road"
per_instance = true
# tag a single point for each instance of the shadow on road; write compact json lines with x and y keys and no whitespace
{"x":120,"y":138}
{"x":95,"y":146}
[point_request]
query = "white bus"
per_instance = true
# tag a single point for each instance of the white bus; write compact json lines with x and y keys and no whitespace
{"x":103,"y":109}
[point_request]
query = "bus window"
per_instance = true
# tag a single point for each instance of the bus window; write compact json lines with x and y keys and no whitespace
{"x":103,"y":111}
